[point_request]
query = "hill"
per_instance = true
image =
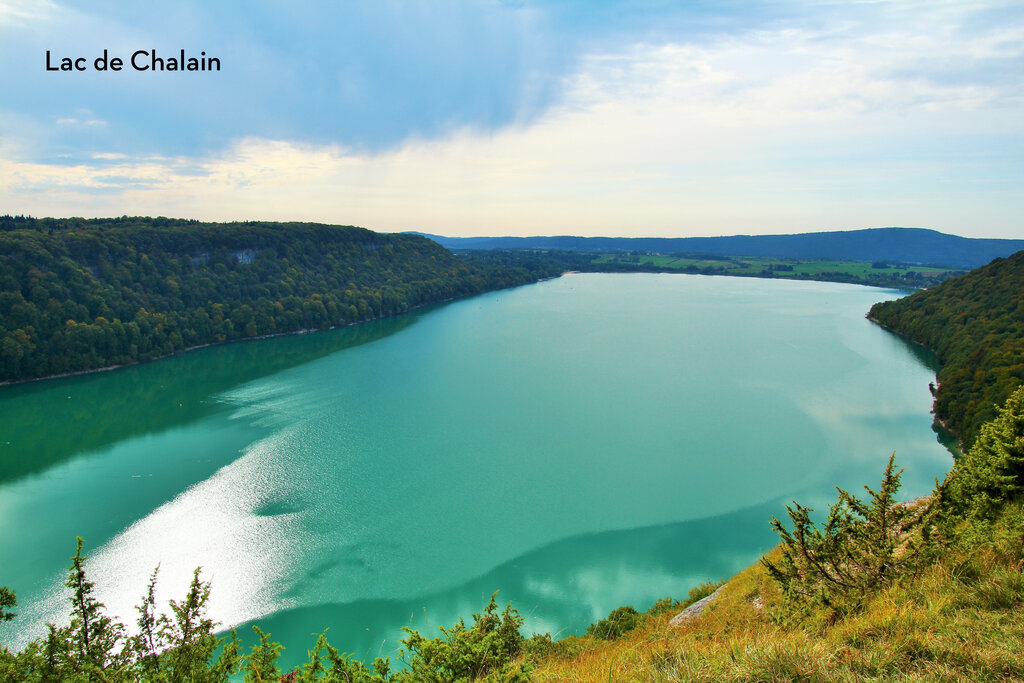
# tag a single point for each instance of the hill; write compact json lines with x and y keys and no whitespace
{"x":78,"y":294}
{"x":975,"y":325}
{"x":904,"y":245}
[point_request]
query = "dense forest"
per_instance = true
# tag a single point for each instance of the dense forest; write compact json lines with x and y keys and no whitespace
{"x":79,"y":294}
{"x":975,"y":325}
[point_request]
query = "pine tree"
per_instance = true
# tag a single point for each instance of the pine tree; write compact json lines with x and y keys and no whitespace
{"x":992,"y":471}
{"x":149,"y":640}
{"x":7,"y":600}
{"x":8,"y":660}
{"x":261,"y":663}
{"x":180,"y":647}
{"x":861,"y":547}
{"x":98,"y":650}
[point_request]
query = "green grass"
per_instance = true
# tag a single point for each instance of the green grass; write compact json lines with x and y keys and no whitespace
{"x":847,"y":271}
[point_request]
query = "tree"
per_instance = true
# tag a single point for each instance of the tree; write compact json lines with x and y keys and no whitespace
{"x":97,"y":642}
{"x":489,"y":648}
{"x":261,"y":663}
{"x":94,"y":647}
{"x":861,"y":547}
{"x":7,"y":600}
{"x":342,"y":667}
{"x":992,"y":471}
{"x":180,"y":647}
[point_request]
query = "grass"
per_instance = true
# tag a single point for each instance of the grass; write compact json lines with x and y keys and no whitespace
{"x":861,"y":271}
{"x":961,"y":619}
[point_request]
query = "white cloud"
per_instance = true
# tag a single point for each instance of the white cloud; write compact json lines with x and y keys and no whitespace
{"x":72,"y":121}
{"x":18,"y":13}
{"x":780,"y":131}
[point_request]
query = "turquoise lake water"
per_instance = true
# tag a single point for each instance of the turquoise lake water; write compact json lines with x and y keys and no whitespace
{"x":578,"y":444}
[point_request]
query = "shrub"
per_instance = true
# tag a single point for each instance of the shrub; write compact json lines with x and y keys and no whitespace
{"x":489,"y":649}
{"x":861,"y":547}
{"x":7,"y":600}
{"x":991,"y":473}
{"x":622,"y":620}
{"x":665,"y":605}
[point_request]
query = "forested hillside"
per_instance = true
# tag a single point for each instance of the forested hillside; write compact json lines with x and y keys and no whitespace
{"x":975,"y":324}
{"x":79,"y":294}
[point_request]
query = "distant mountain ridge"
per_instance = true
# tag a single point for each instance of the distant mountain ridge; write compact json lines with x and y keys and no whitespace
{"x":906,"y":245}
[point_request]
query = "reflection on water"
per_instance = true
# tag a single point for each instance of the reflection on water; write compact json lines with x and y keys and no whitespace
{"x":105,"y":455}
{"x":44,"y":423}
{"x":574,"y":581}
{"x":320,"y":480}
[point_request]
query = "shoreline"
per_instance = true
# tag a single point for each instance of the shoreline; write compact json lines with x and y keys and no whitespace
{"x":273,"y":335}
{"x":308,"y":330}
{"x":936,"y":420}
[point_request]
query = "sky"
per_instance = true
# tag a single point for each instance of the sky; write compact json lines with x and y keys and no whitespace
{"x":523,"y":117}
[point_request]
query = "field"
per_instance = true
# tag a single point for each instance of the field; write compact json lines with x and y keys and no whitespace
{"x":885,"y":274}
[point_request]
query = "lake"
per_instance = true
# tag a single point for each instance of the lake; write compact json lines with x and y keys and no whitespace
{"x":578,"y":444}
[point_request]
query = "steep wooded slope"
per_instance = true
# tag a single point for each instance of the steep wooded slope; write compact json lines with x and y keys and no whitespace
{"x":81,"y":294}
{"x":975,"y":324}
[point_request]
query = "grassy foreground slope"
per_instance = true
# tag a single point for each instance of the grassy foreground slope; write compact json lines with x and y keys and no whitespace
{"x":863,"y":596}
{"x":960,"y":619}
{"x":79,"y":294}
{"x":975,"y":324}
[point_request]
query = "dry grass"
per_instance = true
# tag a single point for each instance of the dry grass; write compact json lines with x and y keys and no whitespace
{"x":960,"y":620}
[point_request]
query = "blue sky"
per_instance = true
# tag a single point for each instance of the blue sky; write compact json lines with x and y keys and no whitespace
{"x":529,"y":117}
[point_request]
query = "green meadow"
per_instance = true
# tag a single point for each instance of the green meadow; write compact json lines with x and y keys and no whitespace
{"x":884,"y":273}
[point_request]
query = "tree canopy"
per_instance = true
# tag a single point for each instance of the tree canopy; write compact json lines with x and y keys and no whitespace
{"x":975,"y":325}
{"x":79,"y":294}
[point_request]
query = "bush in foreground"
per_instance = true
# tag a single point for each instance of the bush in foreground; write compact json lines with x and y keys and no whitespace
{"x":862,"y":546}
{"x":991,"y":473}
{"x":182,"y":645}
